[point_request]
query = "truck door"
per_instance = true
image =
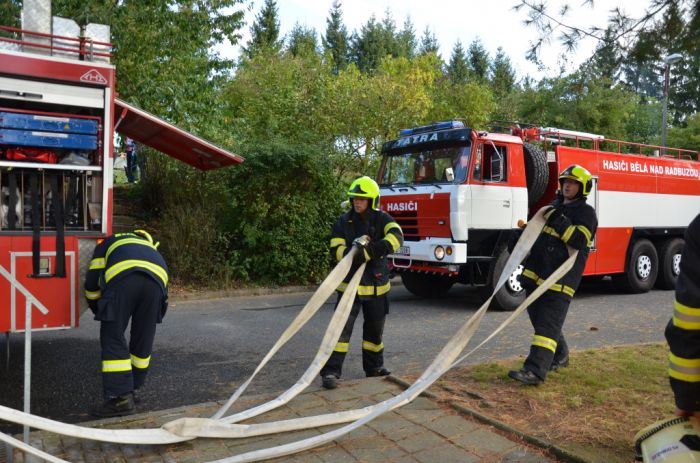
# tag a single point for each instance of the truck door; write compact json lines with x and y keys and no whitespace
{"x":593,"y":201}
{"x":491,"y":196}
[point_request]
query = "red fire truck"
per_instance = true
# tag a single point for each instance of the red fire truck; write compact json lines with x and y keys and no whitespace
{"x":459,"y":194}
{"x":58,"y":114}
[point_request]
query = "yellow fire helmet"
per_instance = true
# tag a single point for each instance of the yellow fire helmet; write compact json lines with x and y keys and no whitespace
{"x":579,"y":174}
{"x":365,"y":187}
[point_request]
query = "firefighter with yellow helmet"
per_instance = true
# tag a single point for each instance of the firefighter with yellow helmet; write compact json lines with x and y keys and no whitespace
{"x":376,"y":234}
{"x":570,"y":222}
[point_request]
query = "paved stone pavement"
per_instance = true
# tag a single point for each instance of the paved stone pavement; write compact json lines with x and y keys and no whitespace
{"x":423,"y":431}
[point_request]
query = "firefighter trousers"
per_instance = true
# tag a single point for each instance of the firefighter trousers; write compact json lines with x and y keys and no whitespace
{"x":374,"y":312}
{"x":547,"y":315}
{"x":124,"y":367}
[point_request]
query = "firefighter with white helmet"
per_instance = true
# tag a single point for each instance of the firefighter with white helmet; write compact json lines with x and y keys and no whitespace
{"x":376,"y":234}
{"x":570,"y":222}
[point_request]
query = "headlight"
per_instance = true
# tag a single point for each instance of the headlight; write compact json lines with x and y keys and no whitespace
{"x":439,"y":252}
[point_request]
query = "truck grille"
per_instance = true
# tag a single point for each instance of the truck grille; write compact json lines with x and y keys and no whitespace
{"x":409,"y":224}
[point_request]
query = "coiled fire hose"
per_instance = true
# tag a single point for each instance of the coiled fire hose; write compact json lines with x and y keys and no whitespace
{"x":184,"y":429}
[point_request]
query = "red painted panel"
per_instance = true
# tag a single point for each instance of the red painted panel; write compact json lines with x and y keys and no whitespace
{"x":420,"y":216}
{"x":45,"y":67}
{"x":55,"y":293}
{"x":612,"y":250}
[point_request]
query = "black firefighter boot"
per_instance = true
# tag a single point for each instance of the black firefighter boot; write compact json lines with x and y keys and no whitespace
{"x":116,"y":406}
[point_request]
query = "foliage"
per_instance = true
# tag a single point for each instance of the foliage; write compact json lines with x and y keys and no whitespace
{"x":336,"y":41}
{"x":687,"y":137}
{"x":479,"y":61}
{"x":265,"y":31}
{"x":428,"y":43}
{"x":283,"y":200}
{"x":302,"y":41}
{"x":458,"y":68}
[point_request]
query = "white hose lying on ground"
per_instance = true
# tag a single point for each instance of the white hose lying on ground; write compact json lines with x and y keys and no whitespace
{"x":189,"y":428}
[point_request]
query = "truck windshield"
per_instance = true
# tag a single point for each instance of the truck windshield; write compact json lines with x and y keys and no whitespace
{"x":426,"y":167}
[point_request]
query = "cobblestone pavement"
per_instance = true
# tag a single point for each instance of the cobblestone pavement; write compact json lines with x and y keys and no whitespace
{"x":423,"y":431}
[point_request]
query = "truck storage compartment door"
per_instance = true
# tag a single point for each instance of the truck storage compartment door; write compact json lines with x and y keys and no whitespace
{"x":58,"y":295}
{"x":151,"y":131}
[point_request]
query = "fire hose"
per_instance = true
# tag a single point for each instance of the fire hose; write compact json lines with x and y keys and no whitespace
{"x":221,"y":426}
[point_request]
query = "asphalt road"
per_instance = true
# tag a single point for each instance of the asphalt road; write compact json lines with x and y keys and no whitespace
{"x":204,"y":349}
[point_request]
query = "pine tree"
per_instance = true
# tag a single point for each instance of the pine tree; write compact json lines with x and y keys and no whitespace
{"x":369,"y":46}
{"x":458,"y":68}
{"x":265,"y":31}
{"x":503,"y":75}
{"x":406,"y":40}
{"x":302,"y":41}
{"x":336,"y":41}
{"x":428,"y":43}
{"x":479,"y":61}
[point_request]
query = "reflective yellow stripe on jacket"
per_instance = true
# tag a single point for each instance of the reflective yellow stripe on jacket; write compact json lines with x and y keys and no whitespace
{"x":124,"y":241}
{"x":93,"y":295}
{"x":97,"y":263}
{"x":557,"y":287}
{"x":687,"y":370}
{"x":119,"y":267}
{"x":366,"y":290}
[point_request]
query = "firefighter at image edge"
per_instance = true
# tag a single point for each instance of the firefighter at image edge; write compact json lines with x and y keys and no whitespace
{"x":570,"y":222}
{"x":683,"y":330}
{"x":127,"y":279}
{"x":376,"y":234}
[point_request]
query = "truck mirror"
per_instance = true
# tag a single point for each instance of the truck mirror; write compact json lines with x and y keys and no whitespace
{"x":449,"y":174}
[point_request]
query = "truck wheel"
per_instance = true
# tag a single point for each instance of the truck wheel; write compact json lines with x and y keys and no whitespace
{"x":511,"y":294}
{"x":641,"y":268}
{"x":536,"y":172}
{"x":427,"y":285}
{"x":670,"y":263}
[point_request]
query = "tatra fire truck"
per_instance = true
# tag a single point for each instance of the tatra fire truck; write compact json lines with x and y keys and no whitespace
{"x":459,"y":193}
{"x":58,"y":114}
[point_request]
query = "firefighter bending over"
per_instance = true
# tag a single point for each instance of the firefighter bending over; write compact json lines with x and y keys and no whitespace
{"x":683,"y":331}
{"x":376,"y":234}
{"x":127,"y":279}
{"x":572,"y":222}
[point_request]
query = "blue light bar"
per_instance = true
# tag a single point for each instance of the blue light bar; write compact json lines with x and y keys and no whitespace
{"x":444,"y":125}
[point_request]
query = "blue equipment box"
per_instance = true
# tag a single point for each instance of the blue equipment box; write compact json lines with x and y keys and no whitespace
{"x":47,"y":123}
{"x":47,"y":139}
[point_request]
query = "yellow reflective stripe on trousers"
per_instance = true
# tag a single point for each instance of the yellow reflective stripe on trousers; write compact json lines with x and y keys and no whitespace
{"x":557,"y":287}
{"x":391,"y":225}
{"x":533,"y":276}
{"x":339,"y":252}
{"x":342,"y":287}
{"x":684,"y":317}
{"x":114,"y":366}
{"x":366,"y":345}
{"x":546,"y":343}
{"x":139,"y":362}
{"x":116,"y":269}
{"x":93,"y":295}
{"x":393,"y":241}
{"x":98,"y":263}
{"x":124,"y":241}
{"x":338,"y":242}
{"x":687,"y":370}
{"x":567,"y":234}
{"x":341,"y":347}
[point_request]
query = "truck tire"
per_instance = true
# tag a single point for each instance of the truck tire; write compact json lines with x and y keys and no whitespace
{"x":641,"y":268}
{"x":511,"y":294}
{"x":536,"y":172}
{"x":670,"y":263}
{"x":427,"y":285}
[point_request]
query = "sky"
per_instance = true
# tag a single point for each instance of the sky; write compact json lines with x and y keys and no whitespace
{"x":494,"y":22}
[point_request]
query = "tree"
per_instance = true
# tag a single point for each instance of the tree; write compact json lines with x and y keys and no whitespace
{"x":458,"y":68}
{"x":336,"y":41}
{"x":10,"y":15}
{"x":502,"y":74}
{"x":479,"y":61}
{"x":428,"y":43}
{"x":406,"y":41}
{"x":302,"y":41}
{"x":265,"y":31}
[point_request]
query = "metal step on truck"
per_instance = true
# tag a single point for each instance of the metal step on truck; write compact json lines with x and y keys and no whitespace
{"x":459,"y":193}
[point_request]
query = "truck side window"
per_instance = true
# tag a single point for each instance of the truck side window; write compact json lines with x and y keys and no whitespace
{"x":490,"y":164}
